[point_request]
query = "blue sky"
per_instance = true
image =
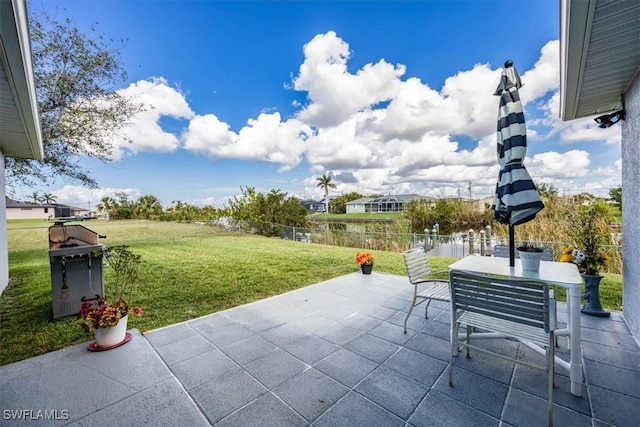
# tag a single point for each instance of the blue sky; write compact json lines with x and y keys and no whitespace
{"x":387,"y":97}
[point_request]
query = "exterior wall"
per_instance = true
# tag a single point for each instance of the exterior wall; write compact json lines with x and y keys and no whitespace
{"x":355,"y":208}
{"x":630,"y":203}
{"x":35,"y":212}
{"x":4,"y":251}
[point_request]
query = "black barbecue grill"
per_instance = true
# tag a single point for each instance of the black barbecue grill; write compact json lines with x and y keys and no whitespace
{"x":75,"y":257}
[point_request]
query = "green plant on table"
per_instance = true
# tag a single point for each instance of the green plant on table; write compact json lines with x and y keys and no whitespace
{"x":529,"y":247}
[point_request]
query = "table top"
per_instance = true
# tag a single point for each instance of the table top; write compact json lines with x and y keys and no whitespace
{"x":564,"y":274}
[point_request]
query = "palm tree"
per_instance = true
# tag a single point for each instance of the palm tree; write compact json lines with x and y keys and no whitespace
{"x":325,"y":183}
{"x":35,"y":197}
{"x":48,"y":198}
{"x":106,"y":206}
{"x":148,"y":205}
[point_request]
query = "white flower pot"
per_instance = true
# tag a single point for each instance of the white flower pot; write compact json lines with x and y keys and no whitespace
{"x":109,"y":337}
{"x":530,"y":260}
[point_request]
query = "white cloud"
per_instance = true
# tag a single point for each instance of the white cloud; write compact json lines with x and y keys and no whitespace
{"x":545,"y":74}
{"x":83,"y":197}
{"x":413,"y":138}
{"x":206,"y":133}
{"x":574,"y":163}
{"x":474,"y":109}
{"x":266,"y":138}
{"x":145,"y":133}
{"x":386,"y":134}
{"x":334,"y":94}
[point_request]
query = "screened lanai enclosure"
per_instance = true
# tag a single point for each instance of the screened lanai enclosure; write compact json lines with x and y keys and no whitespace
{"x":389,"y":203}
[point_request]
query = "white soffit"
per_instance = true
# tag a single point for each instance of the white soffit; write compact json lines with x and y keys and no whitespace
{"x":599,"y":54}
{"x":20,"y":134}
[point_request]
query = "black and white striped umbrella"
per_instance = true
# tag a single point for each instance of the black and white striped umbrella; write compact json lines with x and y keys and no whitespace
{"x":516,"y":200}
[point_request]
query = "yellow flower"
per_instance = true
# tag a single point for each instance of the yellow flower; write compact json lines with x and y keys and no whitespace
{"x":588,"y":263}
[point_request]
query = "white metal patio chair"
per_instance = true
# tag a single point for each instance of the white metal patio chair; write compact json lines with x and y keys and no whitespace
{"x":427,"y":285}
{"x":502,"y":251}
{"x":520,"y":309}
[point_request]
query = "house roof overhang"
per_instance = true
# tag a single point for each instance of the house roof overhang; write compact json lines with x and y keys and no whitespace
{"x":20,"y":134}
{"x":599,"y":55}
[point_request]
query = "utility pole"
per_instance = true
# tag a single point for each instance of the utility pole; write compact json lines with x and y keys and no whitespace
{"x":469,"y":190}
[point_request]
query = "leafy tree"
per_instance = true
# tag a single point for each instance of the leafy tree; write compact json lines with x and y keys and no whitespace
{"x":445,"y":212}
{"x":292,"y":213}
{"x":339,"y":204}
{"x":547,"y":190}
{"x":188,"y":212}
{"x":80,"y":111}
{"x":123,"y":207}
{"x":325,"y":183}
{"x":616,"y":195}
{"x":264,"y":212}
{"x":210,"y":213}
{"x":448,"y":214}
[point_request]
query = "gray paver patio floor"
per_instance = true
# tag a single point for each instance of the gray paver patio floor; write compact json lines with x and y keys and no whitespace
{"x":331,"y":354}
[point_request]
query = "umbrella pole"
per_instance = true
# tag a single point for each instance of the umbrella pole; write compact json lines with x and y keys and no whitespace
{"x":512,"y":245}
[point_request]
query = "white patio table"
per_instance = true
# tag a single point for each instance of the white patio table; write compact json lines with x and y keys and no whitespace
{"x":561,"y":274}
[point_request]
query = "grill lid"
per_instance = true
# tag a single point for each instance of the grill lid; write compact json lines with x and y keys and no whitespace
{"x":69,"y":236}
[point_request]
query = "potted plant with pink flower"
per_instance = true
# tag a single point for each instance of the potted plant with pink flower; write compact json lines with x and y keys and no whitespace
{"x":108,"y":319}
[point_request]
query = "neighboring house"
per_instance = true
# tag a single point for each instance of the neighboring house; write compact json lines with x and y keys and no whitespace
{"x":21,"y":136}
{"x":384,"y":204}
{"x":358,"y":205}
{"x":313,"y":206}
{"x":600,"y":74}
{"x":25,"y":210}
{"x":322,"y":208}
{"x":22,"y":210}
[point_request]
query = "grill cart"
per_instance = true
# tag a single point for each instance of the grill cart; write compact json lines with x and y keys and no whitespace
{"x":75,"y":256}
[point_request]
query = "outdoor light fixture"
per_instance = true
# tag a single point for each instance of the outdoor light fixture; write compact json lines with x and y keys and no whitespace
{"x":608,"y":120}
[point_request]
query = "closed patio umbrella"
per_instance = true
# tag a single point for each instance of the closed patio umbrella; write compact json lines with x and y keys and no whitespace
{"x":516,"y":199}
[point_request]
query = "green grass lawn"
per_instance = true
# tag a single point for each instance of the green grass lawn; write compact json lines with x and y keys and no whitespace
{"x":188,"y":271}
